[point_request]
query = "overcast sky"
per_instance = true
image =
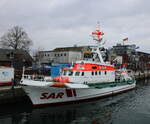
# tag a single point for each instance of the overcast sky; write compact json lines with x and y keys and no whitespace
{"x":60,"y":23}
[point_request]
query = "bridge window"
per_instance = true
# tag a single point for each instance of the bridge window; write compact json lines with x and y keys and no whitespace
{"x":95,"y":72}
{"x":94,"y":67}
{"x":77,"y":73}
{"x":99,"y":72}
{"x":65,"y":72}
{"x":70,"y":73}
{"x":82,"y":74}
{"x":92,"y":73}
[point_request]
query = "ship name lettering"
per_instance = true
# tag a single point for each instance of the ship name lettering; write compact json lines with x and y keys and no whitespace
{"x":51,"y":95}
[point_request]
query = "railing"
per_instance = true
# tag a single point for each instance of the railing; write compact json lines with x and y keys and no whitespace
{"x":37,"y":77}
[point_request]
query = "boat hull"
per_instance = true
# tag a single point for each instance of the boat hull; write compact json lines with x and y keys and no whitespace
{"x":53,"y":95}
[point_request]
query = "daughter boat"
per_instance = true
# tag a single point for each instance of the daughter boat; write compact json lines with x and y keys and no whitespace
{"x":86,"y":79}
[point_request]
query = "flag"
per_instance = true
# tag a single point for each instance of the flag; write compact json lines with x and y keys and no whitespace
{"x":126,"y":39}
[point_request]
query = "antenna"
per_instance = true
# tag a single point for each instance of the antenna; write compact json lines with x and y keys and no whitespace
{"x":98,"y":25}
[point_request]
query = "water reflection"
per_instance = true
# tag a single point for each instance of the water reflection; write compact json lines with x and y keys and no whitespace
{"x":95,"y":112}
{"x":131,"y":107}
{"x":83,"y":113}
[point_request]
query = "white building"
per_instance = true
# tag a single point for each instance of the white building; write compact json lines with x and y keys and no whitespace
{"x":62,"y":55}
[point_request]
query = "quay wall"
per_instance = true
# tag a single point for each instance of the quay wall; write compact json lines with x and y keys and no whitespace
{"x":141,"y":75}
{"x":11,"y":95}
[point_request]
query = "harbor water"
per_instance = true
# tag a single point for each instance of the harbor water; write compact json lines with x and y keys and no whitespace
{"x":132,"y":107}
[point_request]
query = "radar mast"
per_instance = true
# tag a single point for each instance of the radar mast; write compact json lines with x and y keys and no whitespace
{"x":97,"y":35}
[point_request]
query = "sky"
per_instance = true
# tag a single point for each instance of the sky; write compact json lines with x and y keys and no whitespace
{"x":64,"y":23}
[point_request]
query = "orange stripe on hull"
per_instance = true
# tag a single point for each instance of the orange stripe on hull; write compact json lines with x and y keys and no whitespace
{"x":91,"y":67}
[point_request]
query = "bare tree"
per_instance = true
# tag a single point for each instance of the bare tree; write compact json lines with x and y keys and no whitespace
{"x":38,"y":55}
{"x":16,"y":38}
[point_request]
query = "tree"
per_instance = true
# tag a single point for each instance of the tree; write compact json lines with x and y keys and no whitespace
{"x":16,"y":38}
{"x":37,"y":55}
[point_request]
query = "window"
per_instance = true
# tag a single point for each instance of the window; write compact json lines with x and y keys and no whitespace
{"x":64,"y":54}
{"x":105,"y":72}
{"x":99,"y":72}
{"x":65,"y":72}
{"x":77,"y":73}
{"x":95,"y":72}
{"x":94,"y":67}
{"x":82,"y":74}
{"x":70,"y":73}
{"x":92,"y":73}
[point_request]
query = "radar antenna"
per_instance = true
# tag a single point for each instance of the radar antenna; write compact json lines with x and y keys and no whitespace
{"x":97,"y":35}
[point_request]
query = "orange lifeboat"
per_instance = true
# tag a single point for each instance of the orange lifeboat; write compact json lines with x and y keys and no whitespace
{"x":61,"y":79}
{"x":58,"y":84}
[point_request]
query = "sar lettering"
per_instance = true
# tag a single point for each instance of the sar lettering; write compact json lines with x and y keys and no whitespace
{"x":52,"y":95}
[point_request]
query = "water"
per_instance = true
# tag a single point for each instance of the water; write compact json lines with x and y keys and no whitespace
{"x":132,"y":107}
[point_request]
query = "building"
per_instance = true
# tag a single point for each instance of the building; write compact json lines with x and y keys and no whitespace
{"x":127,"y":52}
{"x":10,"y":57}
{"x":132,"y":58}
{"x":143,"y":61}
{"x":65,"y":55}
{"x":16,"y":59}
{"x":6,"y":57}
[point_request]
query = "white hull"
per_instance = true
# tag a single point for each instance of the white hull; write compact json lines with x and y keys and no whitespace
{"x":51,"y":95}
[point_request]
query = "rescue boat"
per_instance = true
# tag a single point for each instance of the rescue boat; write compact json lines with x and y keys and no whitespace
{"x":85,"y":79}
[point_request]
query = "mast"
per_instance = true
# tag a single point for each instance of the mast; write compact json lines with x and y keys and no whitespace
{"x":98,"y":38}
